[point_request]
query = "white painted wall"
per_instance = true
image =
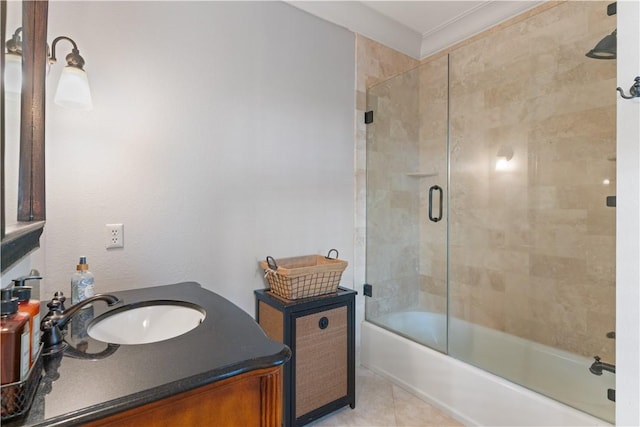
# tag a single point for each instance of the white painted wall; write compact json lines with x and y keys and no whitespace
{"x":222,"y":132}
{"x":628,"y":220}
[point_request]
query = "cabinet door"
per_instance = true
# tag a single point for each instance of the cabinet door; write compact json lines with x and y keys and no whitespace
{"x":320,"y":358}
{"x":249,"y":399}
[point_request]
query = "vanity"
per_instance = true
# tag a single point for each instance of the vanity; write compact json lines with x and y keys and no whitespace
{"x":225,"y":371}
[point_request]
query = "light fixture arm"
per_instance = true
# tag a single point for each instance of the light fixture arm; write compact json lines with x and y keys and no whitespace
{"x":634,"y":90}
{"x":14,"y":45}
{"x":73,"y":59}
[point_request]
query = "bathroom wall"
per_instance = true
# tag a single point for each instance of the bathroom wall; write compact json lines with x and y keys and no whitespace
{"x":222,"y":132}
{"x":392,"y":194}
{"x":628,"y":222}
{"x":433,"y":162}
{"x":533,"y":246}
{"x":375,"y":63}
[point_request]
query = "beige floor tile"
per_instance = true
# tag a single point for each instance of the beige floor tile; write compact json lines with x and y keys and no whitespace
{"x":413,"y":412}
{"x":379,"y":403}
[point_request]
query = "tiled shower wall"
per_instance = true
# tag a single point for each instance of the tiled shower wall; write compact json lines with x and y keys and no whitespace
{"x":532,"y":247}
{"x":375,"y":63}
{"x":433,"y":107}
{"x":393,"y":240}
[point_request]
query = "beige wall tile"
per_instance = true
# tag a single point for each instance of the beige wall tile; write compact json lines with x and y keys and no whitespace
{"x":532,"y":249}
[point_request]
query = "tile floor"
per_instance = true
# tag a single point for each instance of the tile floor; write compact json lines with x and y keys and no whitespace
{"x":379,"y":403}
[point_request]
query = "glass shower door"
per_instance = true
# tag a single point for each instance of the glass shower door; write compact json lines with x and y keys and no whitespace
{"x":532,"y":240}
{"x":406,"y":204}
{"x":489,"y":234}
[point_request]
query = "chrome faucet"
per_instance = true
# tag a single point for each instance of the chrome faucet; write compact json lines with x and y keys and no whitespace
{"x":597,"y":367}
{"x":57,"y":318}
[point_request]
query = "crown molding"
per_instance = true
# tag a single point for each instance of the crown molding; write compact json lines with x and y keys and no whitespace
{"x":471,"y":23}
{"x":359,"y":18}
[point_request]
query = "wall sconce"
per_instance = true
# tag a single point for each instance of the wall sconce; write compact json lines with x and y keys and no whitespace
{"x":73,"y":88}
{"x":13,"y":64}
{"x":504,"y":155}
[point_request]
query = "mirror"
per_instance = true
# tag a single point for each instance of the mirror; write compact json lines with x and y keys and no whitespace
{"x":21,"y":238}
{"x":12,"y":23}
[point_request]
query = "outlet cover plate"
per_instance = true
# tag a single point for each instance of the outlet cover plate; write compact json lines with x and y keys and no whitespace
{"x":114,"y":236}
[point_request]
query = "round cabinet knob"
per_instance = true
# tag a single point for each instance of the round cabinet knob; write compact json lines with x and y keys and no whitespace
{"x":323,"y":323}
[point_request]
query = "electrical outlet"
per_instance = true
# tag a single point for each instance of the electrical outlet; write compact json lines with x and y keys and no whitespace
{"x":114,"y":236}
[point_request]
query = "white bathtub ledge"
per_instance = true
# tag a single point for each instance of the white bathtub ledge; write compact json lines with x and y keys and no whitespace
{"x":468,"y":394}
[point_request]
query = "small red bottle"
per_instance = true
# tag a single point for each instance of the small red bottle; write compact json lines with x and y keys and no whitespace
{"x":15,"y":340}
{"x":32,"y":308}
{"x":14,"y":346}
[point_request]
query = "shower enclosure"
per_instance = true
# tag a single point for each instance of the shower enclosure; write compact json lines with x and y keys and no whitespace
{"x":488,"y":173}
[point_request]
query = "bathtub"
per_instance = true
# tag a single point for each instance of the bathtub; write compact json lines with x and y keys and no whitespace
{"x":475,"y":396}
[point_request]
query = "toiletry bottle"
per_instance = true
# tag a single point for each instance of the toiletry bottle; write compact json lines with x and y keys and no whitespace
{"x":14,"y":341}
{"x":81,"y":283}
{"x":35,"y":286}
{"x":32,"y":307}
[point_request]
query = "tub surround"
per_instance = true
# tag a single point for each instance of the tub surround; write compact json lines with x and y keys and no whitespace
{"x":468,"y":394}
{"x":526,"y":251}
{"x":531,"y":250}
{"x":78,"y":388}
{"x":554,"y":373}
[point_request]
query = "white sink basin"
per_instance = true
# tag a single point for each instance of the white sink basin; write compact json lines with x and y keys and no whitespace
{"x":146,"y":322}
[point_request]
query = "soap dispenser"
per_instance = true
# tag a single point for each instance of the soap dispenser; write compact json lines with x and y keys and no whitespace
{"x":14,"y":343}
{"x":82,"y":283}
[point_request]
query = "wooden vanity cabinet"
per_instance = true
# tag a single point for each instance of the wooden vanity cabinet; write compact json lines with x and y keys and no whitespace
{"x":250,"y":399}
{"x":320,"y":376}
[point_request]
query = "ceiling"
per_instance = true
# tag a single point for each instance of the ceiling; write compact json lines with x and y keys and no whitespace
{"x":416,"y":28}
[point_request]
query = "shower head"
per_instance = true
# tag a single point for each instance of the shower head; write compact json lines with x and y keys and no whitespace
{"x":606,"y":48}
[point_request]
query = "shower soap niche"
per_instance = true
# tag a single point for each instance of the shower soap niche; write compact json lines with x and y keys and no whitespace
{"x":422,"y":174}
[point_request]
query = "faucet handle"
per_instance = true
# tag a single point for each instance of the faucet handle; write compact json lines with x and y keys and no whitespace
{"x":59,"y":296}
{"x":55,"y":312}
{"x":55,"y":308}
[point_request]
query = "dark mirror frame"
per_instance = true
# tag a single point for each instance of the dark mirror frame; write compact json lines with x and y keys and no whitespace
{"x":20,"y":241}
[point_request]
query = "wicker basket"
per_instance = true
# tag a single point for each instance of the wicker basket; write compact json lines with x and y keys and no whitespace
{"x":17,"y":397}
{"x":304,"y":276}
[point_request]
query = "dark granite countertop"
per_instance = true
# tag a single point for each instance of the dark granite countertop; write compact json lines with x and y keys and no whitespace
{"x":92,"y":379}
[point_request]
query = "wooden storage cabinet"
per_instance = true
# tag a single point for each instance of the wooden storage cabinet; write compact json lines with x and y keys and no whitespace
{"x":320,"y":377}
{"x":249,"y":399}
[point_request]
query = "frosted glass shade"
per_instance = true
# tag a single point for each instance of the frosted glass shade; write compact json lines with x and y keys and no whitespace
{"x":73,"y":89}
{"x":13,"y":73}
